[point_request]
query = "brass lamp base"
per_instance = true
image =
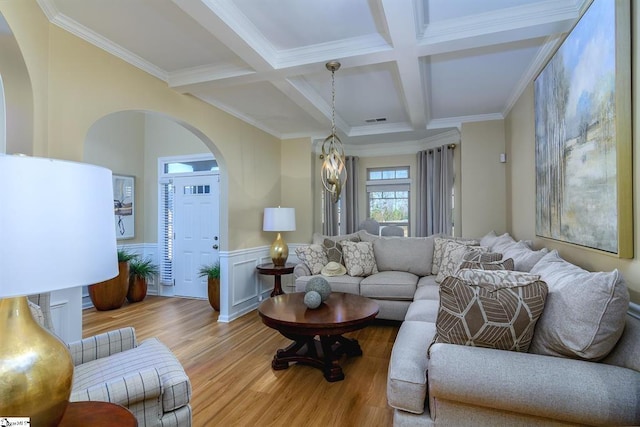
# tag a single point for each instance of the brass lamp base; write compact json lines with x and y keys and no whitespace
{"x":279,"y":252}
{"x":35,"y":367}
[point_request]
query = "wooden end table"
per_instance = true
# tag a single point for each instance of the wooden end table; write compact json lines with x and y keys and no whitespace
{"x":97,"y":414}
{"x":341,"y":313}
{"x":271,"y":270}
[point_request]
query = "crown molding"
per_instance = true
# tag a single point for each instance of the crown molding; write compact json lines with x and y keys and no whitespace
{"x":378,"y":129}
{"x":90,"y":36}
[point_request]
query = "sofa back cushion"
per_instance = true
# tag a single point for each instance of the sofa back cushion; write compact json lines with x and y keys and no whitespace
{"x":585,"y":312}
{"x":410,"y":254}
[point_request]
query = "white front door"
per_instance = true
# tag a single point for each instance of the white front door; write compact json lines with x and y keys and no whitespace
{"x":196,"y":239}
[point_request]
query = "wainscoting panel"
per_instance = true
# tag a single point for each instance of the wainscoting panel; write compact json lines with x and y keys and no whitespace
{"x":241,"y":287}
{"x":66,"y":313}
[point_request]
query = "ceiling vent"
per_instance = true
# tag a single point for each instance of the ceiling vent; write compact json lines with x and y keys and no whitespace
{"x":382,"y":119}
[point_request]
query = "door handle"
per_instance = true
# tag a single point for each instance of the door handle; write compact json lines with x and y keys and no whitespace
{"x":215,"y":246}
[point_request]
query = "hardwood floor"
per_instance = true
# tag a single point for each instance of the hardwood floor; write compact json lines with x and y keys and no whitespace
{"x":229,"y":365}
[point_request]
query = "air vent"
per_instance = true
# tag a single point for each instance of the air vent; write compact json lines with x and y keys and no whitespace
{"x":382,"y":119}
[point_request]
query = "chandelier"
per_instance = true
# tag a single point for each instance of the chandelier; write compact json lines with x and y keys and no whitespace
{"x":333,"y":173}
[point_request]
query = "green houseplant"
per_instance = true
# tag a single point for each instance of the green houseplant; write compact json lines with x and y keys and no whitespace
{"x":212,"y":273}
{"x":140,"y":271}
{"x":110,"y":294}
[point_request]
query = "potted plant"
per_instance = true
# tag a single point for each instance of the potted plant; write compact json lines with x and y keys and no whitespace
{"x":212,"y":272}
{"x":110,"y":294}
{"x":140,"y":271}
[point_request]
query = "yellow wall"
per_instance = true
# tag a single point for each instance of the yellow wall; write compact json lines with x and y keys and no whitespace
{"x":482,"y":178}
{"x":75,"y":84}
{"x":297,"y":187}
{"x":521,"y":175}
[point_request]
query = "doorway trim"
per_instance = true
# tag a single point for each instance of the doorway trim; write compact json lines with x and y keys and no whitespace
{"x":164,"y":287}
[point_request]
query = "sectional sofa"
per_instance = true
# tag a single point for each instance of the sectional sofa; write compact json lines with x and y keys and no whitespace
{"x":577,"y":360}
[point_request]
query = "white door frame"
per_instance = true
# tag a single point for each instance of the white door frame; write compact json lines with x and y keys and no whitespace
{"x":163,"y":178}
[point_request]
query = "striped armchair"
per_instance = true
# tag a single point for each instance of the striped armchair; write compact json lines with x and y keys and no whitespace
{"x":144,"y":377}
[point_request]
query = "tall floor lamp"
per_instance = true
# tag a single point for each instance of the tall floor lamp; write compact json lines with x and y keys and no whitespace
{"x":56,"y":231}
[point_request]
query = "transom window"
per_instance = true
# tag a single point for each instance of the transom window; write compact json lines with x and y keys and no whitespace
{"x":388,"y":196}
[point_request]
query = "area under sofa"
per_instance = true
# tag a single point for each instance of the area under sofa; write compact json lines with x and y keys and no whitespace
{"x":448,"y":384}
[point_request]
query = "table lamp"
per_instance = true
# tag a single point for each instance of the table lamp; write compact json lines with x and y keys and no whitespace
{"x":279,"y":219}
{"x":56,"y":232}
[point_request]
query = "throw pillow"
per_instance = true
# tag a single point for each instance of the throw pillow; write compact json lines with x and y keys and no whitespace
{"x":333,"y":248}
{"x":585,"y":313}
{"x":439,"y":244}
{"x":313,"y":256}
{"x":486,"y":315}
{"x":502,"y":242}
{"x":523,"y":256}
{"x":475,"y":255}
{"x":452,"y":256}
{"x":505,"y":264}
{"x":497,"y":277}
{"x":359,"y":258}
{"x":489,"y":239}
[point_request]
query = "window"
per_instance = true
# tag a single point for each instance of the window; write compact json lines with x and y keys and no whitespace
{"x":388,"y":198}
{"x":167,"y":190}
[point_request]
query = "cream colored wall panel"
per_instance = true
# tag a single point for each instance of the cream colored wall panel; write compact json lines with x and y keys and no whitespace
{"x":483,"y":205}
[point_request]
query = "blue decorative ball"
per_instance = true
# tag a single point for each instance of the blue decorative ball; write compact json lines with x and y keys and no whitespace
{"x":312,"y":299}
{"x":320,"y":285}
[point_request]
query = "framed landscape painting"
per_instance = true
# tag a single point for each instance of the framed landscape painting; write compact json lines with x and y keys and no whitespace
{"x":123,"y":206}
{"x":583,"y":134}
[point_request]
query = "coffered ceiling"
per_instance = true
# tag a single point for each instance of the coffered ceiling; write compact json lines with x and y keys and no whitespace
{"x":411,"y":70}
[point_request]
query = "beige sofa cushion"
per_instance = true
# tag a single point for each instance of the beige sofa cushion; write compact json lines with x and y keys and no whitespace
{"x":396,"y":285}
{"x":585,"y":312}
{"x":501,"y":316}
{"x":411,"y":254}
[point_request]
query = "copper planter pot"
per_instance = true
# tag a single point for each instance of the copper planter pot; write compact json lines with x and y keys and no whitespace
{"x":110,"y":294}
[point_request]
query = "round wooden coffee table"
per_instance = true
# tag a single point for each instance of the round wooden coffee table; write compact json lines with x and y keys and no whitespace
{"x":341,"y":313}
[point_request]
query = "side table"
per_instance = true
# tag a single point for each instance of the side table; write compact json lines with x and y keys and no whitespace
{"x":97,"y":414}
{"x":271,"y":270}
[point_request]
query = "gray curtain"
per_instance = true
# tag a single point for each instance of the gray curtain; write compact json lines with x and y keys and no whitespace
{"x":350,"y":196}
{"x":435,"y":184}
{"x":330,"y":224}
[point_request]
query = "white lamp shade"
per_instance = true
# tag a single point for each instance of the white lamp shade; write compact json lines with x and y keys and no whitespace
{"x":279,"y":219}
{"x":56,"y":225}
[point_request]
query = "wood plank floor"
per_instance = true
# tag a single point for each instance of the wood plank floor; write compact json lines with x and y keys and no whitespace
{"x":229,"y":365}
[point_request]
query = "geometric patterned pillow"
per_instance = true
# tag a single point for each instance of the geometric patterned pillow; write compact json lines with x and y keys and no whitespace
{"x":505,"y":264}
{"x":333,"y":248}
{"x":453,"y":255}
{"x":492,"y":316}
{"x":359,"y":258}
{"x":313,"y":256}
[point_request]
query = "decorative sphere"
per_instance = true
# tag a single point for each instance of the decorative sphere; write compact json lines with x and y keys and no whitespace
{"x":312,"y":299}
{"x":320,"y":285}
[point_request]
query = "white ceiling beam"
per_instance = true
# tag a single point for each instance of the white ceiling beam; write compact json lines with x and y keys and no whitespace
{"x":226,"y":23}
{"x":400,"y":21}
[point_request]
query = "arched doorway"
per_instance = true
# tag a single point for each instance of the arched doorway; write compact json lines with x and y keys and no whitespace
{"x":132,"y":143}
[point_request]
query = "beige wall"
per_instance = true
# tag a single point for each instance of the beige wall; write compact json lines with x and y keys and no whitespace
{"x":297,"y":187}
{"x":75,"y":84}
{"x":521,"y":174}
{"x":482,"y":178}
{"x":18,"y":98}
